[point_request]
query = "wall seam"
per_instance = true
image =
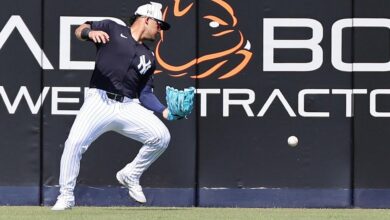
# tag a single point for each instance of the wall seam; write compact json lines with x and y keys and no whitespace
{"x":41,"y":112}
{"x":197,"y":123}
{"x":352,"y":184}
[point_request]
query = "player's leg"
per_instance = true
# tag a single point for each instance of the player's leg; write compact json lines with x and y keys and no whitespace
{"x":141,"y":124}
{"x":92,"y":121}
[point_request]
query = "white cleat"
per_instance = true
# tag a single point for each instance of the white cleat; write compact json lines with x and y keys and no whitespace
{"x":135,"y":190}
{"x":63,"y":204}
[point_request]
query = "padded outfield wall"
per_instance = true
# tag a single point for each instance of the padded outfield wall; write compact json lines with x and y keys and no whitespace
{"x":264,"y":70}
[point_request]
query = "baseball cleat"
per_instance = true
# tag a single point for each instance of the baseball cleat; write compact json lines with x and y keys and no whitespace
{"x":135,"y":190}
{"x":63,"y":204}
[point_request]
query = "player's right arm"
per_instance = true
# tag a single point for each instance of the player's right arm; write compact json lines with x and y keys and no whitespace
{"x":84,"y":32}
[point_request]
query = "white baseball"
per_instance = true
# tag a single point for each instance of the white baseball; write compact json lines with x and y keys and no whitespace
{"x":292,"y":141}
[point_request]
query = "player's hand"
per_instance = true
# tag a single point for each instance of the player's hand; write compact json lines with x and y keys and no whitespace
{"x":99,"y":36}
{"x":165,"y":113}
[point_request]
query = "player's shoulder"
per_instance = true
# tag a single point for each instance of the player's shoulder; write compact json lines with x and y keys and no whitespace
{"x":112,"y":23}
{"x":107,"y":23}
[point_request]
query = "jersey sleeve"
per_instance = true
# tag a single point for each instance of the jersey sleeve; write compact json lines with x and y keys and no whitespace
{"x":148,"y":99}
{"x":104,"y":25}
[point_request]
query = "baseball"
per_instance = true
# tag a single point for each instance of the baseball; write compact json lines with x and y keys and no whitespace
{"x":292,"y":141}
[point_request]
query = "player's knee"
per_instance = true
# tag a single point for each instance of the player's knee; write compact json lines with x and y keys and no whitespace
{"x":161,"y":139}
{"x":166,"y":139}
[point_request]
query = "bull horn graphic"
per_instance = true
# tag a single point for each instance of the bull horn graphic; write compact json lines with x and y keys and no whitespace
{"x":218,"y":58}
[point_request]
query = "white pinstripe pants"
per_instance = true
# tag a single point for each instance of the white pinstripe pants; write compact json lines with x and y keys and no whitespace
{"x":100,"y":114}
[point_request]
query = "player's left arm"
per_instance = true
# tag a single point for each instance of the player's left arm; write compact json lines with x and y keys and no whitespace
{"x":149,"y":100}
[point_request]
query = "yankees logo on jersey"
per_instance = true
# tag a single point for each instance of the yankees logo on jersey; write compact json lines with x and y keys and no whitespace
{"x":144,"y":66}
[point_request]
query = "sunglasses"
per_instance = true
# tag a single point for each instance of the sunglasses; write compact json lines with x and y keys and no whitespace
{"x":157,"y":21}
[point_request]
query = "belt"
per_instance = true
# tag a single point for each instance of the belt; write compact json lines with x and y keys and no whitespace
{"x":115,"y":97}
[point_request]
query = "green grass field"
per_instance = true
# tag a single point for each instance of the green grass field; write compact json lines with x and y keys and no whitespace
{"x":119,"y":213}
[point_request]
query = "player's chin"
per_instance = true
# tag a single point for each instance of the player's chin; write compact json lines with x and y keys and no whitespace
{"x":152,"y":38}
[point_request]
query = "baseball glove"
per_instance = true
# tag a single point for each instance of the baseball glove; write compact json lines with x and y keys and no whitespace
{"x":180,"y":102}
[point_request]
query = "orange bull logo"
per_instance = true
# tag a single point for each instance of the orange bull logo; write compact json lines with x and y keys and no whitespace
{"x":222,"y":50}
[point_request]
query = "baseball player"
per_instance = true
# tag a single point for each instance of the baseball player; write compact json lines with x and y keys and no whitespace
{"x":123,"y":71}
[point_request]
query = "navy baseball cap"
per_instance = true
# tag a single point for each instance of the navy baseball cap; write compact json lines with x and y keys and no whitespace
{"x":153,"y":10}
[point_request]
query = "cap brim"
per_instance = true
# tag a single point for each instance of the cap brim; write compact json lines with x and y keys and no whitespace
{"x":164,"y":25}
